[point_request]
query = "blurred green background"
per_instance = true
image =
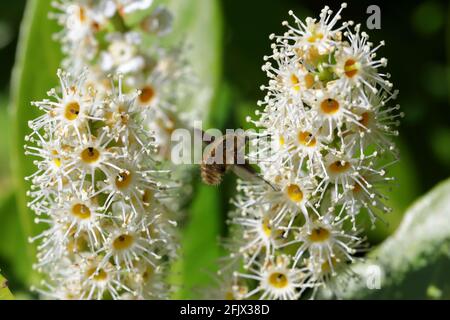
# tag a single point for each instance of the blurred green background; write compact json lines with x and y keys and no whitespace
{"x":417,"y":35}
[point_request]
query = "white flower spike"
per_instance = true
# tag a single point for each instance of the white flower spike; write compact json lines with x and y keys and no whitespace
{"x":330,"y":117}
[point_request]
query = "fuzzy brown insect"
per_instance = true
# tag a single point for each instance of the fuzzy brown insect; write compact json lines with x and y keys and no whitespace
{"x":223,"y":154}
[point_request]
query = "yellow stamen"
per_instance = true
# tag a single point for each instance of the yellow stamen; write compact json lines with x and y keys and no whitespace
{"x":147,"y":94}
{"x":295,"y":82}
{"x":123,"y":242}
{"x":350,"y":68}
{"x":267,"y":228}
{"x":98,"y":275}
{"x":72,"y":111}
{"x":315,"y":36}
{"x":56,"y":159}
{"x":294,"y":193}
{"x":364,"y":121}
{"x":306,"y":139}
{"x":319,"y":235}
{"x":278,"y":280}
{"x":90,"y":155}
{"x":82,"y":14}
{"x":309,"y":81}
{"x":329,"y":106}
{"x":339,"y":166}
{"x":81,"y":211}
{"x":123,"y":180}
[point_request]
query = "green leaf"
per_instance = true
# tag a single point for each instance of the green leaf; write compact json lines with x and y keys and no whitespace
{"x":5,"y":174}
{"x":38,"y":58}
{"x":13,"y":244}
{"x":199,"y":24}
{"x":200,"y":239}
{"x":200,"y":249}
{"x":5,"y":294}
{"x":415,"y":260}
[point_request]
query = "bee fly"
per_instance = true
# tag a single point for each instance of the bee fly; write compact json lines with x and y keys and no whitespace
{"x":223,"y":154}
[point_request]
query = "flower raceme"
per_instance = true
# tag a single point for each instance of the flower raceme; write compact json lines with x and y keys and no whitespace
{"x":103,"y":186}
{"x":101,"y":194}
{"x":329,"y":113}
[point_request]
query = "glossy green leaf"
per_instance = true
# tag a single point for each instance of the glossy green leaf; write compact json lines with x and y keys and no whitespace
{"x":200,"y":249}
{"x":13,"y":244}
{"x":5,"y":294}
{"x":413,"y":263}
{"x":4,"y":147}
{"x":38,"y":58}
{"x":198,"y":23}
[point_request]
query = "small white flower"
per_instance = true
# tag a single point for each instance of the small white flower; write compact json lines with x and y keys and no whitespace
{"x":276,"y":280}
{"x":97,"y":280}
{"x":71,"y":110}
{"x":356,"y":65}
{"x":123,"y":55}
{"x":323,"y":239}
{"x":377,"y":124}
{"x":259,"y":234}
{"x":321,"y":34}
{"x":132,"y":242}
{"x":160,"y":22}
